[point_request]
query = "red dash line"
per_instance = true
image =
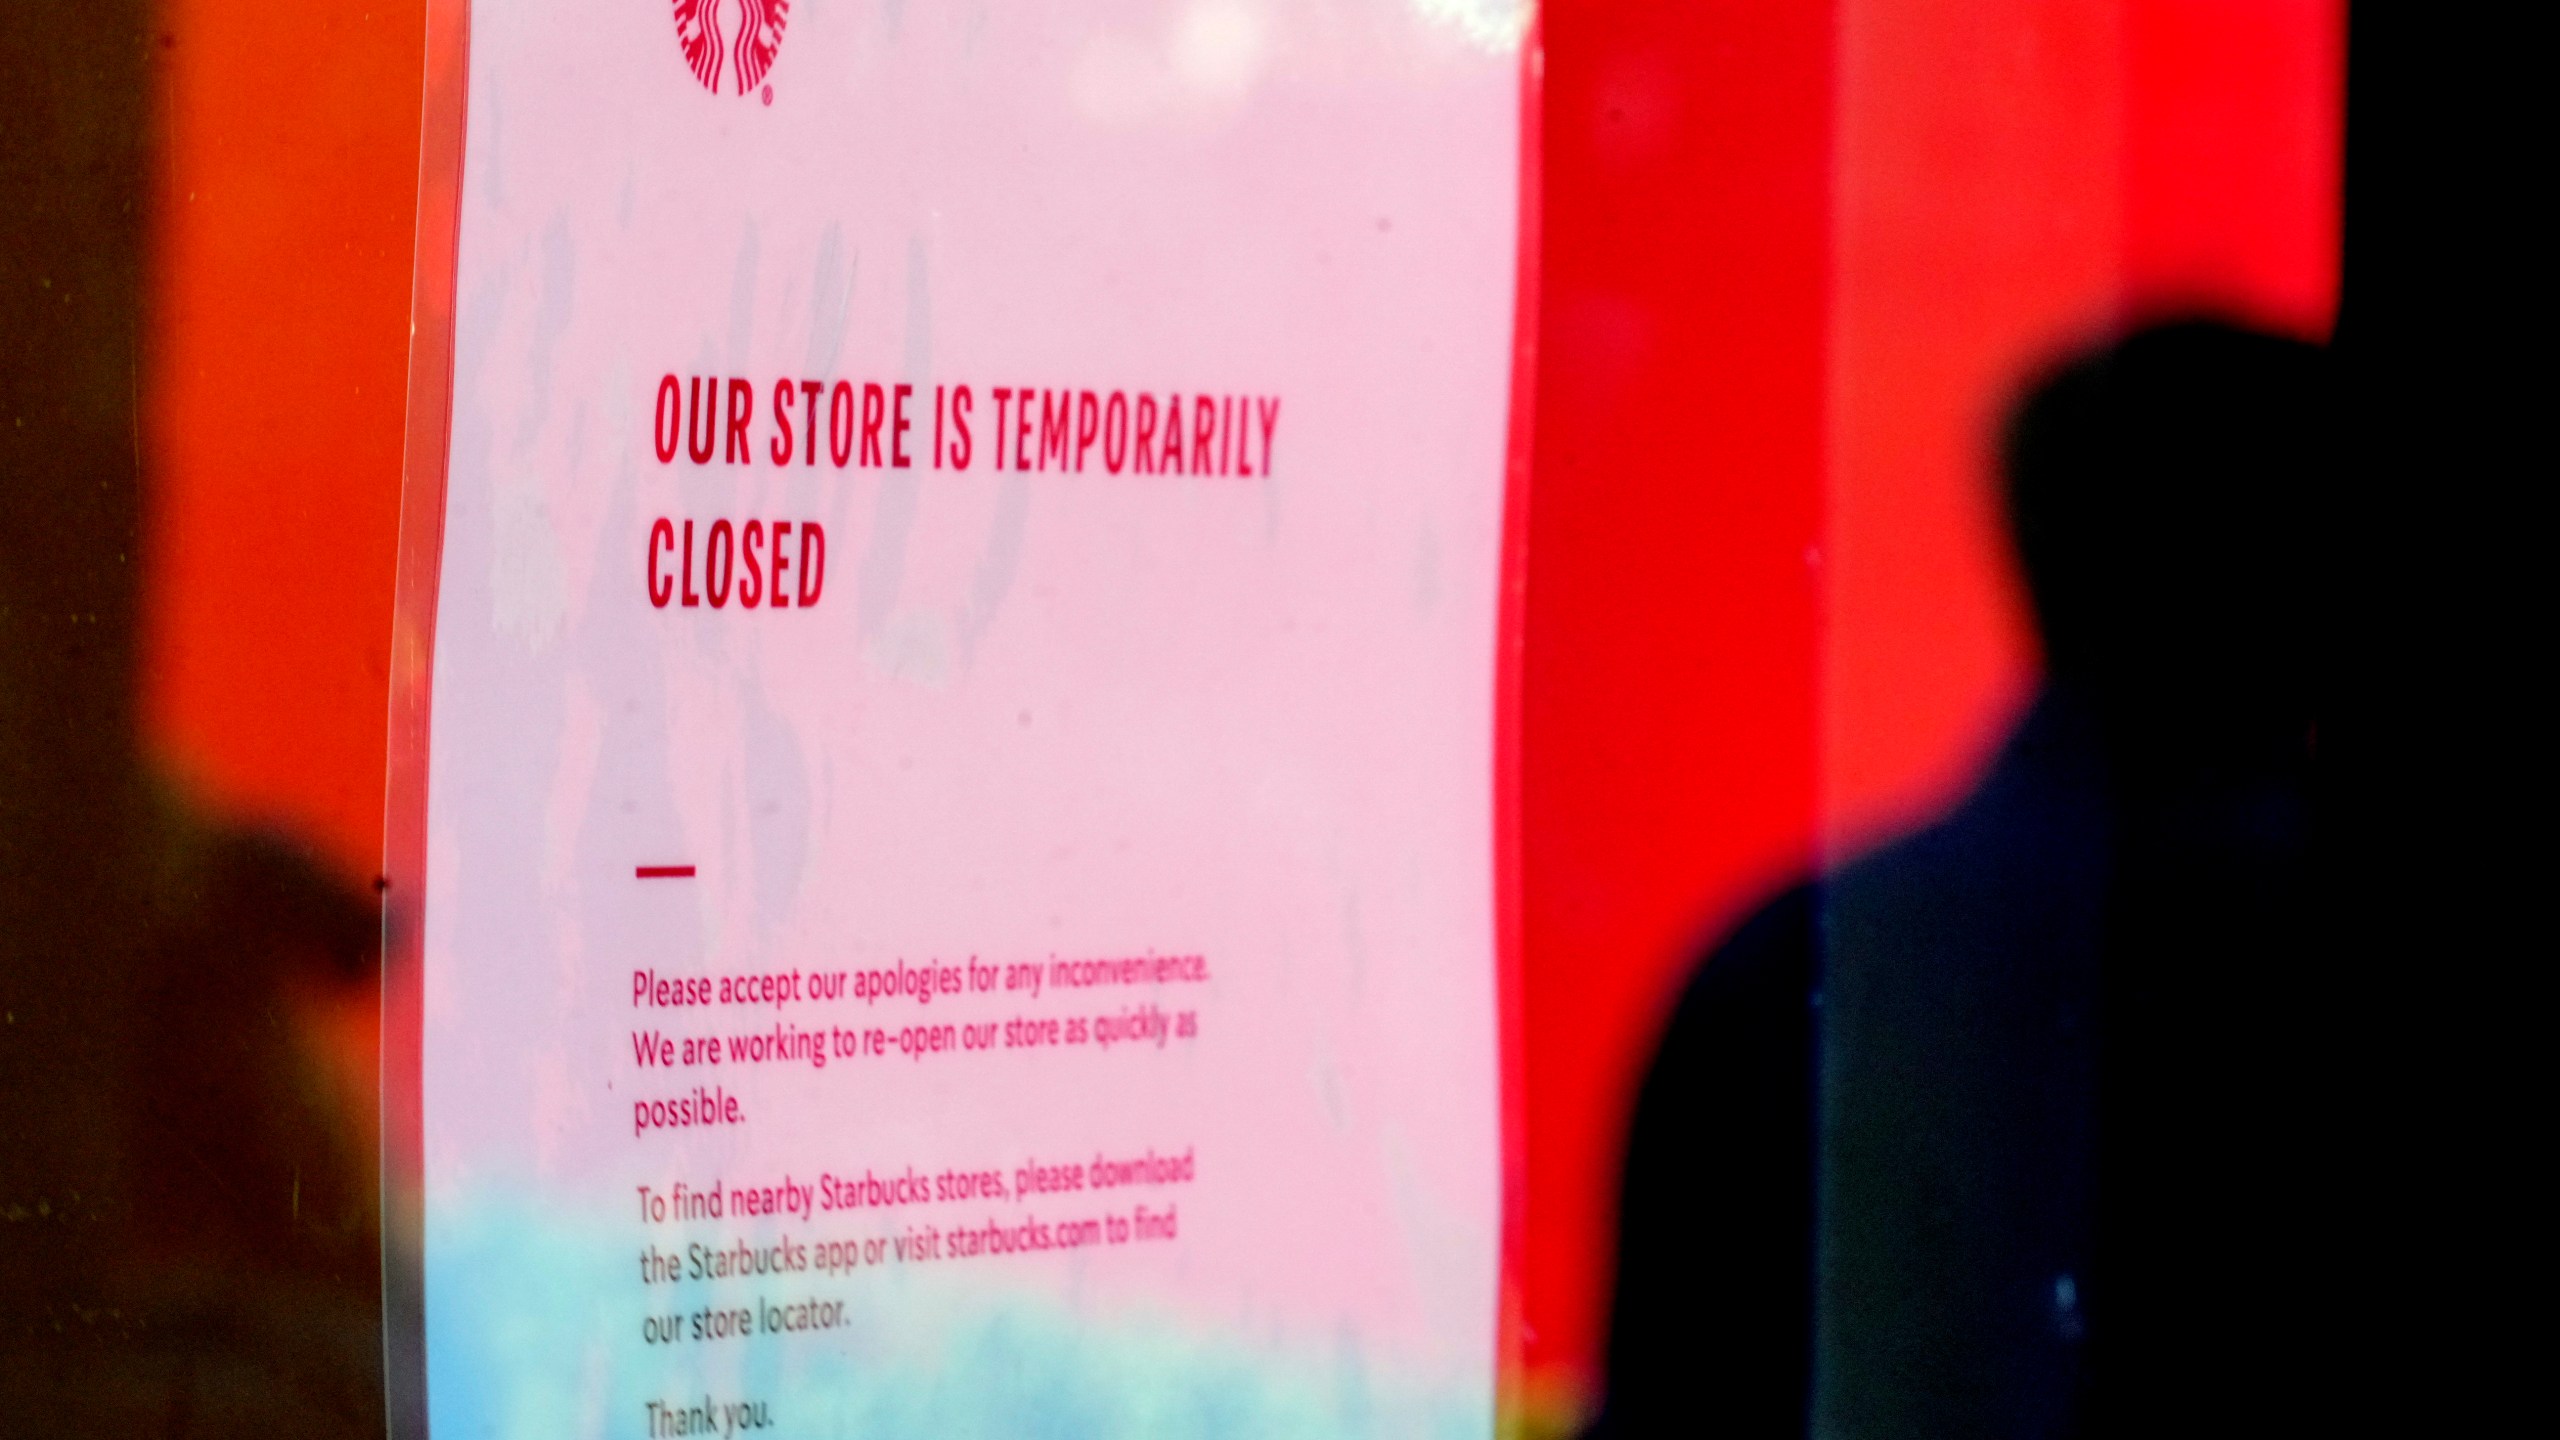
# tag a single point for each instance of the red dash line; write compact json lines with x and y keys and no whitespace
{"x":664,"y":872}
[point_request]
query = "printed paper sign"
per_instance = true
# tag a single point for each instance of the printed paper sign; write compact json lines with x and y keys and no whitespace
{"x":959,"y":890}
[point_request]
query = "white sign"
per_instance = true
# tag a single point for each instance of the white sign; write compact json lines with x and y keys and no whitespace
{"x":958,"y":890}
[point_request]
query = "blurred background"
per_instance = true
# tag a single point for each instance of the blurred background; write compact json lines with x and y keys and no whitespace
{"x":1795,"y":258}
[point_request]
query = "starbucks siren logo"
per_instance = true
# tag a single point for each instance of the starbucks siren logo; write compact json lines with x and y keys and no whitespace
{"x":730,"y":44}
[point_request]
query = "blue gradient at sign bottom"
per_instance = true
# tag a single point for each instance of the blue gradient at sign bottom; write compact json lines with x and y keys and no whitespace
{"x":534,"y":1332}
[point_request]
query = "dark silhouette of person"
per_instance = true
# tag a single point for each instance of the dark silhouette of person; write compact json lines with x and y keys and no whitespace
{"x":189,"y":1217}
{"x":2010,"y":1128}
